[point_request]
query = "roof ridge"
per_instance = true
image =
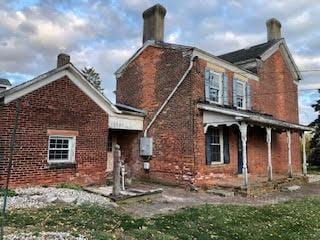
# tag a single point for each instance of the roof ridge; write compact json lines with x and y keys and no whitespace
{"x":252,"y":46}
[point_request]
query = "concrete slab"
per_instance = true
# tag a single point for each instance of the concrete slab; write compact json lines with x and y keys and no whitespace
{"x":312,"y":178}
{"x":106,"y":191}
{"x":220,"y":192}
{"x":292,"y":188}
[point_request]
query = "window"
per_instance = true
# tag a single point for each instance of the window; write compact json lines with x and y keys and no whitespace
{"x":240,"y":94}
{"x":110,"y":142}
{"x":214,"y":145}
{"x":61,"y":149}
{"x":214,"y":85}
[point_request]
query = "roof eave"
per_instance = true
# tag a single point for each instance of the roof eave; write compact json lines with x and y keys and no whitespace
{"x":251,"y":117}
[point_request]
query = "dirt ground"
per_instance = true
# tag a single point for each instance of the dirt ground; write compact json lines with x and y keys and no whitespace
{"x":174,"y":198}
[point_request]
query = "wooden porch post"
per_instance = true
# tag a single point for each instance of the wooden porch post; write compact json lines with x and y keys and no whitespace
{"x":289,"y":154}
{"x":303,"y":139}
{"x":116,"y":171}
{"x":269,"y":154}
{"x":243,"y":131}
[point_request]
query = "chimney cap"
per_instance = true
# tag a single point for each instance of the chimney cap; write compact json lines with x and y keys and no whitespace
{"x":156,"y":8}
{"x":273,"y":21}
{"x":63,"y":59}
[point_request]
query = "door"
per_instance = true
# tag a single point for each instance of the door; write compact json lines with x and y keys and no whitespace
{"x":111,"y":143}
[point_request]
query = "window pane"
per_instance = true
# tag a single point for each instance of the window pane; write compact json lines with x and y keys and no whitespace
{"x":216,"y":153}
{"x":214,"y":95}
{"x":216,"y":137}
{"x":213,"y":146}
{"x":240,"y":89}
{"x":59,"y":148}
{"x":239,"y":101}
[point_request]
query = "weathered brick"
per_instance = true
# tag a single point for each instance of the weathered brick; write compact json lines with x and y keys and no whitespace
{"x":63,"y":106}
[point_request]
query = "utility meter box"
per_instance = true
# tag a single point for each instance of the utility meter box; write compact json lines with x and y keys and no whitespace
{"x":146,"y":146}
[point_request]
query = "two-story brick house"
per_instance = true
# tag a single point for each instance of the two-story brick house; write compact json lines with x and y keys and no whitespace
{"x":213,"y":118}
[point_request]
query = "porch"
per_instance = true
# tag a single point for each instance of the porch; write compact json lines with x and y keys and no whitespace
{"x":259,"y":185}
{"x":278,"y":142}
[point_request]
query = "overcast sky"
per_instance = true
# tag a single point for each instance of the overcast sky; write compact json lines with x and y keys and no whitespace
{"x":103,"y":34}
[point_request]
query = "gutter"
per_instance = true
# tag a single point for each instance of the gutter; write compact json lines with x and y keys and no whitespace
{"x":193,"y":57}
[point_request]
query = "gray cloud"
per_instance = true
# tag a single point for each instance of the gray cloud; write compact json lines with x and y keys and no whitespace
{"x":103,"y":34}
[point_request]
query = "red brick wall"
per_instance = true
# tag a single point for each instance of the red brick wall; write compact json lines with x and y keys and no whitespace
{"x":151,"y":78}
{"x":59,"y":105}
{"x":179,"y":139}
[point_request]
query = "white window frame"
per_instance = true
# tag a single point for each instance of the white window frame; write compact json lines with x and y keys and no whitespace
{"x":220,"y":100}
{"x":244,"y":102}
{"x":71,"y":149}
{"x":221,"y":147}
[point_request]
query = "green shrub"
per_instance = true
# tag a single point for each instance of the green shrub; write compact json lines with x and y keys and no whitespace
{"x":69,"y":186}
{"x":11,"y":192}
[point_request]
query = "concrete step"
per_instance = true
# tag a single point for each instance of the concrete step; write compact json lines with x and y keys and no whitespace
{"x":220,"y":192}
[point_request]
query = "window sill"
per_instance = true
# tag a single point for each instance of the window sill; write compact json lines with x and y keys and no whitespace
{"x":61,"y":165}
{"x":217,"y":165}
{"x":213,"y":102}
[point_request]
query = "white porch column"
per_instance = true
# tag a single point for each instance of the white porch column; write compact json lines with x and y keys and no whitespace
{"x":304,"y":154}
{"x":269,"y":154}
{"x":243,"y":131}
{"x":289,"y":154}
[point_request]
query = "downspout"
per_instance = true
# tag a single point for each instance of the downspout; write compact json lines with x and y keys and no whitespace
{"x":171,"y":94}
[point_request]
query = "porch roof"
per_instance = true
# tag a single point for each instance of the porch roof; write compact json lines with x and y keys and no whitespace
{"x":254,"y":117}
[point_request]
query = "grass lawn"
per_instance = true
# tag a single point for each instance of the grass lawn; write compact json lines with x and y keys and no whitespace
{"x":291,"y":220}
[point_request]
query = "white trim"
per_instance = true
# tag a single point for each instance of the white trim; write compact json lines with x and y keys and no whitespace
{"x":71,"y":149}
{"x":253,"y":118}
{"x":244,"y":101}
{"x":220,"y":89}
{"x":244,"y":131}
{"x":220,"y":130}
{"x":229,"y":66}
{"x":289,"y":154}
{"x":223,"y":111}
{"x":287,"y":57}
{"x":128,"y":122}
{"x":269,"y":139}
{"x":73,"y":74}
{"x":146,"y":44}
{"x":196,"y":52}
{"x":270,"y":51}
{"x":304,"y":155}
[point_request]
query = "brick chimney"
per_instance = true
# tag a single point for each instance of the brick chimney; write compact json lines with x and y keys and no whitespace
{"x":63,"y":59}
{"x":273,"y":29}
{"x":153,"y":23}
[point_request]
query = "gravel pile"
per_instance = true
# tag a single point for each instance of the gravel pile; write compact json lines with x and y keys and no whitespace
{"x":36,"y":197}
{"x":43,"y":236}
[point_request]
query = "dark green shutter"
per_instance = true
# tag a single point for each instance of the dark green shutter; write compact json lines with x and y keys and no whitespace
{"x":226,"y":155}
{"x":207,"y":84}
{"x":248,"y":96}
{"x":234,"y":92}
{"x":208,"y":147}
{"x":225,"y":89}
